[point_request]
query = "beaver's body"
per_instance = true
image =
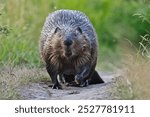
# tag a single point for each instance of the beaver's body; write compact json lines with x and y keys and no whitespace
{"x":68,"y":46}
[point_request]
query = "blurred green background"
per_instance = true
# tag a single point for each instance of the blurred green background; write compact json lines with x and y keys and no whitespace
{"x":114,"y":20}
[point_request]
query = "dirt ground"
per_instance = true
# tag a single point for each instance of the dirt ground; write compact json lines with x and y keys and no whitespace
{"x":42,"y":91}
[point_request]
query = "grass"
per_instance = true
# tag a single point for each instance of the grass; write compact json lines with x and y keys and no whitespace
{"x":21,"y":22}
{"x":20,"y":45}
{"x":134,"y":84}
{"x":135,"y":81}
{"x":13,"y":79}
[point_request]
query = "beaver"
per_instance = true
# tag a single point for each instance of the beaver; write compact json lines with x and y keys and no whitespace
{"x":68,"y":47}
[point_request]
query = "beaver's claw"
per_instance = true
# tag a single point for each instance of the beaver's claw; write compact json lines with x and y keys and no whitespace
{"x":84,"y":84}
{"x":56,"y":86}
{"x":79,"y":81}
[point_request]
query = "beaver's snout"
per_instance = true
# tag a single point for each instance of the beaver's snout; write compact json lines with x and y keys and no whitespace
{"x":67,"y":42}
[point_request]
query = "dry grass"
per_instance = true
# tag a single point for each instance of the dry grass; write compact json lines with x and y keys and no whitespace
{"x":135,"y":83}
{"x":13,"y":78}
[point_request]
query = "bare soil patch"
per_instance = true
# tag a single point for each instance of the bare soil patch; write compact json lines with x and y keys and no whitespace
{"x":25,"y":83}
{"x":92,"y":92}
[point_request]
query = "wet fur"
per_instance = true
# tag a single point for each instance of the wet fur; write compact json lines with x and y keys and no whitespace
{"x":54,"y":53}
{"x":81,"y":63}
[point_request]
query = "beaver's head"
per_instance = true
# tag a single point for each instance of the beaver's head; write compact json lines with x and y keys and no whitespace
{"x":69,"y":43}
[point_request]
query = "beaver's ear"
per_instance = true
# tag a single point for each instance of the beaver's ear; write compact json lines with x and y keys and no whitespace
{"x":79,"y":30}
{"x":57,"y":30}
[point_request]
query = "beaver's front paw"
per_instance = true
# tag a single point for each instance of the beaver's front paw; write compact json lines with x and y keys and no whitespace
{"x":79,"y":81}
{"x":84,"y":84}
{"x":56,"y":86}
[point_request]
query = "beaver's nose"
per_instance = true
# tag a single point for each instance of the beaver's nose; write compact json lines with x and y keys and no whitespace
{"x":68,"y":42}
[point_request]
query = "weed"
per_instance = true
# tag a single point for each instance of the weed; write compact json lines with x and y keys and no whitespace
{"x":12,"y":79}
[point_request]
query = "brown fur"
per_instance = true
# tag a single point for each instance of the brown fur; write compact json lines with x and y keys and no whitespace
{"x":68,"y":46}
{"x":54,"y":52}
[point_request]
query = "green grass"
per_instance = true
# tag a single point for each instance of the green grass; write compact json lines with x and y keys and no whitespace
{"x":21,"y":22}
